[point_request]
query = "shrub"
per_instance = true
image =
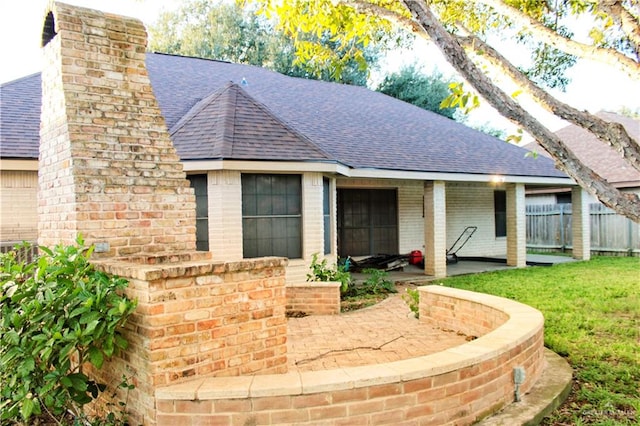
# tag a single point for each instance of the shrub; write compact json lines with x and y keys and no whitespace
{"x":377,"y":282}
{"x":56,"y":314}
{"x":320,"y":271}
{"x":412,"y":297}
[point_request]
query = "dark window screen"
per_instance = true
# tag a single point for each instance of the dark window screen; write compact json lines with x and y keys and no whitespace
{"x":326,"y":212}
{"x":367,"y":222}
{"x":500,"y":209}
{"x":272,"y":215}
{"x":199,"y":184}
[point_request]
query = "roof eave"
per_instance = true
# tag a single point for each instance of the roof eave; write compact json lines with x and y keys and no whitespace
{"x":346,"y":171}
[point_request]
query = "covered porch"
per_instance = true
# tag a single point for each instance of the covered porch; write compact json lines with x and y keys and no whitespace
{"x":402,"y":216}
{"x":415,"y":275}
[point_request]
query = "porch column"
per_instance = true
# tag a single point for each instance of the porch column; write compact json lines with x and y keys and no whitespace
{"x":516,"y":226}
{"x":225,"y":215}
{"x":435,"y":229}
{"x":580,"y":224}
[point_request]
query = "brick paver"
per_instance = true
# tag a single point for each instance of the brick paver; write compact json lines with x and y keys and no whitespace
{"x":381,"y":333}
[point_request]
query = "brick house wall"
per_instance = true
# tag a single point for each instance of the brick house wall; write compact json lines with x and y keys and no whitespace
{"x":472,"y":205}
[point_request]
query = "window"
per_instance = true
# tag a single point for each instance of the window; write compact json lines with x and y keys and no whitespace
{"x":199,"y":184}
{"x":272,"y":215}
{"x":500,"y":211}
{"x":563,"y":198}
{"x":326,"y":212}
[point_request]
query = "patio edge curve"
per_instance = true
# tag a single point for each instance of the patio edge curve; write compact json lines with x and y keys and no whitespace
{"x":459,"y":385}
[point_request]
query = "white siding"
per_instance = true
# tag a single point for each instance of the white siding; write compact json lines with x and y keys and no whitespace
{"x":18,"y":206}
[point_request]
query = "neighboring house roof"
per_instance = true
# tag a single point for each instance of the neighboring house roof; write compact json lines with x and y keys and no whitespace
{"x":269,"y":116}
{"x":598,"y":156}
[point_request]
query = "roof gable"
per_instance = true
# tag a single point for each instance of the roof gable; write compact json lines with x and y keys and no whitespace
{"x":230,"y":124}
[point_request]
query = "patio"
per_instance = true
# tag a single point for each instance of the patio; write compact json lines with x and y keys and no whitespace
{"x":384,"y":332}
{"x":411,"y":274}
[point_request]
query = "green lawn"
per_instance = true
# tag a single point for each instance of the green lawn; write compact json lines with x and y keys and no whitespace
{"x":592,"y":318}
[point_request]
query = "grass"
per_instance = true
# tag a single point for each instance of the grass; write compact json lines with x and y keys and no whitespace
{"x":592,"y":318}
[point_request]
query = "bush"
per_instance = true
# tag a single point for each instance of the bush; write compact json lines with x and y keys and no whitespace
{"x":56,"y":314}
{"x":378,"y":282}
{"x":320,"y":271}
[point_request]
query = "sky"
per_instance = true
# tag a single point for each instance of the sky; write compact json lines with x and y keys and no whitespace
{"x":594,"y":87}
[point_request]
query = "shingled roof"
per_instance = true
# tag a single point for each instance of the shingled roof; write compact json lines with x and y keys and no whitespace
{"x":264,"y":115}
{"x":598,"y":156}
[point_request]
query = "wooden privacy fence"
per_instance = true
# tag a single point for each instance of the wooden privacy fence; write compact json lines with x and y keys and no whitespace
{"x":549,"y":228}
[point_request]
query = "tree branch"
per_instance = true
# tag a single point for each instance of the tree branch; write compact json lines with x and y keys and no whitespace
{"x":627,"y":204}
{"x":364,"y":7}
{"x":612,"y":133}
{"x":552,"y":38}
{"x":627,"y":21}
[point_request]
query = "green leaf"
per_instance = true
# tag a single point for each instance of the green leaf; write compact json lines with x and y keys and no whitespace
{"x":26,"y":366}
{"x":78,"y":381}
{"x":96,"y":357}
{"x":90,"y":327}
{"x":66,"y":382}
{"x":27,"y":408}
{"x":88,"y":317}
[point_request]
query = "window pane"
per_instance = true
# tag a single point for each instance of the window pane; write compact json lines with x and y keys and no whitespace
{"x":326,"y":211}
{"x":367,"y":222}
{"x":500,"y":209}
{"x":199,"y":185}
{"x":272,"y":225}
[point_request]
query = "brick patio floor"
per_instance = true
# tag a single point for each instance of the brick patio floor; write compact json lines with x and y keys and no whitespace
{"x":381,"y":333}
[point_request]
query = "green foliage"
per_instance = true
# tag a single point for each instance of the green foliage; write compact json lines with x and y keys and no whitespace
{"x":321,"y":271}
{"x":426,"y":91}
{"x":235,"y":33}
{"x":378,"y":282}
{"x":490,"y":130}
{"x":460,"y":98}
{"x":592,"y":317}
{"x":412,"y":297}
{"x":56,"y":313}
{"x":549,"y":65}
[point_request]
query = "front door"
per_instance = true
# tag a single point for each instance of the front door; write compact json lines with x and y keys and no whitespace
{"x":367,"y":222}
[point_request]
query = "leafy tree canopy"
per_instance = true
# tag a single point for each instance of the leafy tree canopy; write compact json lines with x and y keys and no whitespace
{"x":231,"y":32}
{"x":462,"y":30}
{"x":426,"y":91}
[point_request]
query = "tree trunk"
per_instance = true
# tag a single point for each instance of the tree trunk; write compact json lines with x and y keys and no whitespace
{"x":613,"y":134}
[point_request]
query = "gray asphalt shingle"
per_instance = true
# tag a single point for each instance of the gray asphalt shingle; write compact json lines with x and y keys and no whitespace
{"x":284,"y":118}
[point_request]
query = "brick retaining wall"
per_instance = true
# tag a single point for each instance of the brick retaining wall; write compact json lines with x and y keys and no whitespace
{"x":197,"y":318}
{"x":459,"y":386}
{"x":314,"y":298}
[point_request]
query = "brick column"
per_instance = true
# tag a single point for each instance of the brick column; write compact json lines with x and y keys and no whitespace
{"x":435,"y":229}
{"x":516,"y":226}
{"x":108,"y":169}
{"x":225,"y":215}
{"x":580,"y":224}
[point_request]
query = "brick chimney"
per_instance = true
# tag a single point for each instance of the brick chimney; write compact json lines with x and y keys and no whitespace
{"x":108,"y":169}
